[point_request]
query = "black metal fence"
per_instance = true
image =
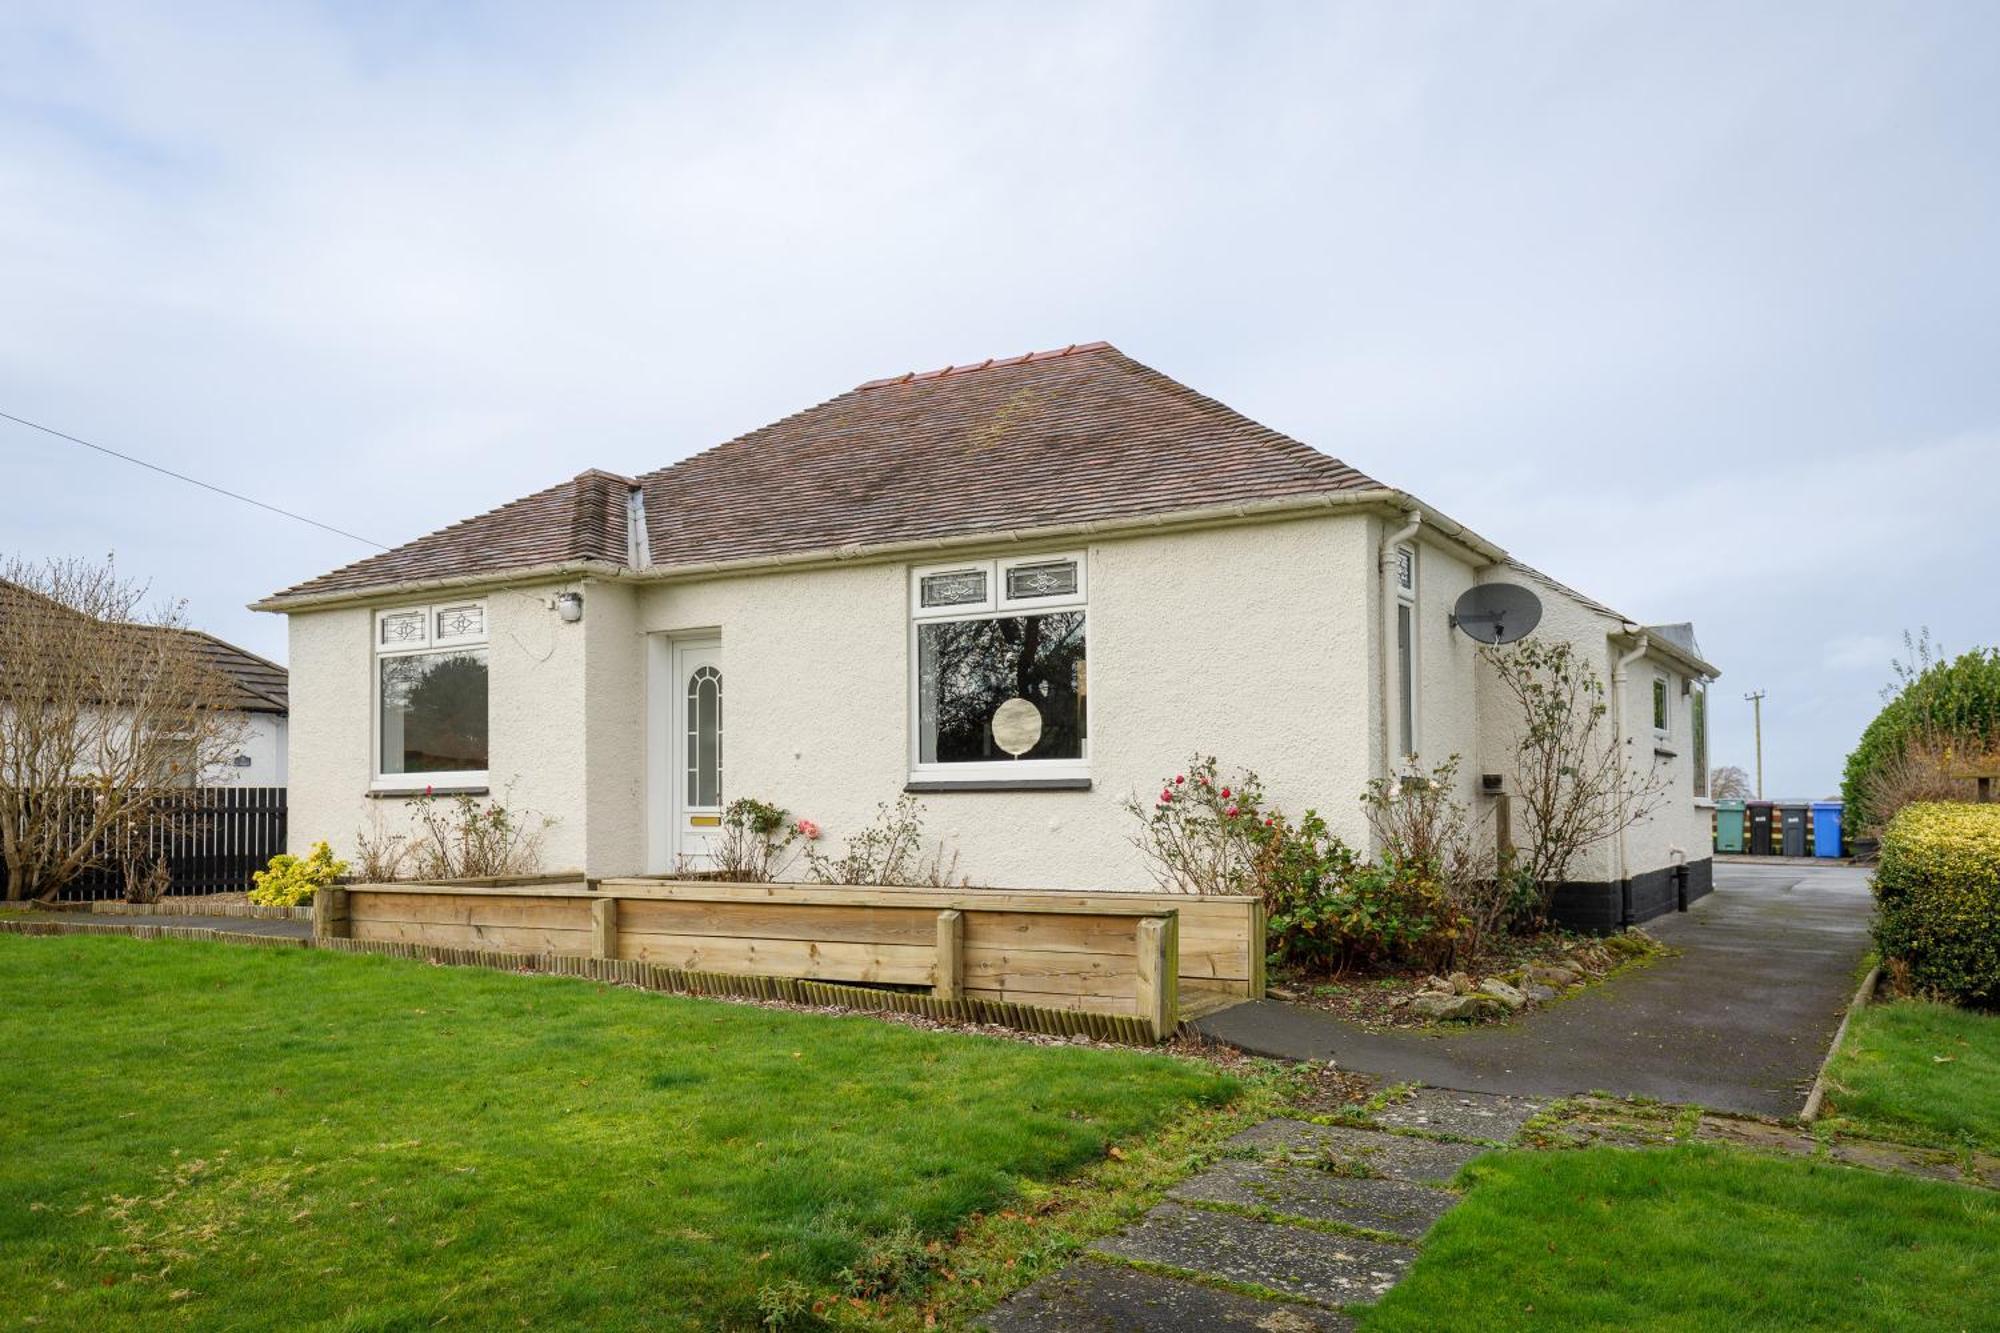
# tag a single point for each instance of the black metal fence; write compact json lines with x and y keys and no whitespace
{"x":210,"y":840}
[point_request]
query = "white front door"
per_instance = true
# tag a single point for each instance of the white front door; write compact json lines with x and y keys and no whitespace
{"x":697,"y":763}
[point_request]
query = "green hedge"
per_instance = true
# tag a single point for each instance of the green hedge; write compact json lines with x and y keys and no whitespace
{"x":1938,"y":900}
{"x":1959,"y":699}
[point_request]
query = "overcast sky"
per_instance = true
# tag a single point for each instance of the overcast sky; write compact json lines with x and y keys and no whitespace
{"x":1696,"y":307}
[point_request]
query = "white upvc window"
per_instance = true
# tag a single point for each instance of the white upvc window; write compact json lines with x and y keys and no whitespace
{"x":1408,"y":717}
{"x":1663,"y":706}
{"x":999,"y":674}
{"x":430,"y":696}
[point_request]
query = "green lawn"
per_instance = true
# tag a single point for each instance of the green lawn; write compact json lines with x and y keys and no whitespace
{"x":200,"y":1135}
{"x":1921,"y":1071}
{"x":1700,"y":1238}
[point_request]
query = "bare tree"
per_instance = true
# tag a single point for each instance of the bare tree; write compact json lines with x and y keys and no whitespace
{"x":1728,"y":783}
{"x":105,"y":720}
{"x":1573,"y":786}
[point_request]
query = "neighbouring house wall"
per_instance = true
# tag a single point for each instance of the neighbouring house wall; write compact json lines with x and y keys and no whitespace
{"x":536,"y":724}
{"x":1250,"y":643}
{"x":263,"y":742}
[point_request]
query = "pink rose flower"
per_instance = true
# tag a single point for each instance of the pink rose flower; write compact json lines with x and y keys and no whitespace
{"x":1179,"y":778}
{"x":1166,"y":796}
{"x":1231,"y":812}
{"x":808,"y":830}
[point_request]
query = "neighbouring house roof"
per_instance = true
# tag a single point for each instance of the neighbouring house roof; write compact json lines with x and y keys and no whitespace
{"x":261,"y":685}
{"x":257,"y":685}
{"x":1078,"y":435}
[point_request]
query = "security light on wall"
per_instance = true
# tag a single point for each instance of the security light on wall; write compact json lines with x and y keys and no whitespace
{"x":569,"y":605}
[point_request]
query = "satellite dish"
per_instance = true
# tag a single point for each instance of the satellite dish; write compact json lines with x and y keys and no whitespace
{"x":1497,"y":612}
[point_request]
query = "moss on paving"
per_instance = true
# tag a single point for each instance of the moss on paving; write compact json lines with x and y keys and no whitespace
{"x":194,"y":1135}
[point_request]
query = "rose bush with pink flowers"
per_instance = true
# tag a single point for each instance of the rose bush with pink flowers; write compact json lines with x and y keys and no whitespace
{"x":1327,"y":907}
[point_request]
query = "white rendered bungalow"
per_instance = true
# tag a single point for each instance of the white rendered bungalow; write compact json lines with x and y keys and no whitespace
{"x":1025,"y":589}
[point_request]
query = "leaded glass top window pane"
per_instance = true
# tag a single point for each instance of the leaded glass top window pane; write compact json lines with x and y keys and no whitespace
{"x":1047,"y":578}
{"x":959,"y":587}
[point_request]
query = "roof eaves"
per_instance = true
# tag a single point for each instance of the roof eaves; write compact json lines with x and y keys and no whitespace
{"x":495,"y":579}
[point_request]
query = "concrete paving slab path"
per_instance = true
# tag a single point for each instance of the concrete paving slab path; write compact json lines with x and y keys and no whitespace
{"x":236,"y":925}
{"x":1739,"y":1021}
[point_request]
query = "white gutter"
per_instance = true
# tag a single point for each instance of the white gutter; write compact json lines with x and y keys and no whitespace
{"x":1391,"y":712}
{"x":1252,"y":511}
{"x":1618,"y":677}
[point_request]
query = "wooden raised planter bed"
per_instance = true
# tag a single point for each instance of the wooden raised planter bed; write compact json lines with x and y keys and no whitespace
{"x":1156,"y":958}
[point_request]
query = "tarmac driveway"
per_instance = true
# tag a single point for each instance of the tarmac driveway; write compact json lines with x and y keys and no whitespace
{"x":1739,"y":1021}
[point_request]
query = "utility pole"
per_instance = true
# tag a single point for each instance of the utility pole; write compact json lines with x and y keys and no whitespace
{"x":1756,"y":701}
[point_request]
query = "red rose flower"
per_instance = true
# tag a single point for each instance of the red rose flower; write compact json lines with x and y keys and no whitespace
{"x":1225,"y":793}
{"x":1231,"y":812}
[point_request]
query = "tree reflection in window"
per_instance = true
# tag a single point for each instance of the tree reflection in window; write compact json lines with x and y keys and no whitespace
{"x":967,"y":668}
{"x":434,"y":713}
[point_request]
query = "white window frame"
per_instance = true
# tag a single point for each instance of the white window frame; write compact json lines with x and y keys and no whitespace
{"x":1407,"y":596}
{"x":1663,"y":687}
{"x":433,"y":639}
{"x":995,"y":606}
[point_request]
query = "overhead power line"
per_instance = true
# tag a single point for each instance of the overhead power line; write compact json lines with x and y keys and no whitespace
{"x":194,"y":481}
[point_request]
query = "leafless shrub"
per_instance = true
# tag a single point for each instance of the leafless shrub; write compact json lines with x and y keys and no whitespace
{"x":468,"y":840}
{"x":380,"y":856}
{"x":888,"y":851}
{"x":107,"y":714}
{"x":1922,"y":771}
{"x":146,"y":879}
{"x":1572,"y":782}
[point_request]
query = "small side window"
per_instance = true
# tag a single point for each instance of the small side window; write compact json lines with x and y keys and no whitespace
{"x":1660,"y":705}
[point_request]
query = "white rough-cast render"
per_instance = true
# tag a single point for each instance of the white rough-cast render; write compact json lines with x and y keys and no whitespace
{"x":1678,"y":823}
{"x":1258,"y":643}
{"x":1253,"y":643}
{"x":536,"y":723}
{"x":1183,"y":658}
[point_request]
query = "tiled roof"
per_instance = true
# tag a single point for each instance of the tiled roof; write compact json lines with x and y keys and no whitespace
{"x":582,"y":519}
{"x":255,"y":684}
{"x":261,"y":686}
{"x":1076,"y":435}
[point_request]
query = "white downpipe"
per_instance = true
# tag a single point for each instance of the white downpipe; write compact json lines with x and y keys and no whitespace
{"x":1390,"y":596}
{"x":1618,"y":675}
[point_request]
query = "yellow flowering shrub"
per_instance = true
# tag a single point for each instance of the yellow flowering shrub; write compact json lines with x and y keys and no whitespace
{"x":291,"y":882}
{"x":1937,"y":897}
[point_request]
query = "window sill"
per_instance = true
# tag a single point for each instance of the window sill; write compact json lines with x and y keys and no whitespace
{"x":411,"y":793}
{"x":928,"y":786}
